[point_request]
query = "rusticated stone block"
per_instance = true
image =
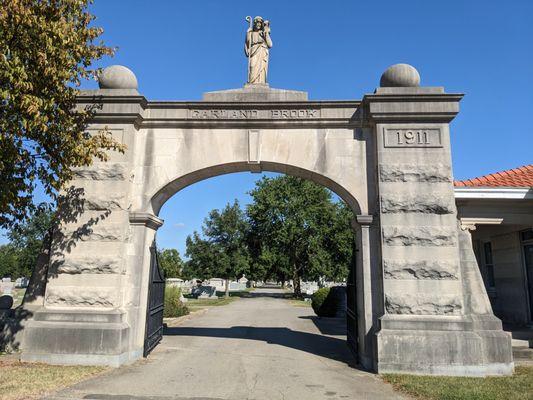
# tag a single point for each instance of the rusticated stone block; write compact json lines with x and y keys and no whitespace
{"x":422,"y":304}
{"x":430,"y":204}
{"x":89,"y":265}
{"x":102,"y":172}
{"x":419,"y":236}
{"x":105,"y":202}
{"x":81,"y":297}
{"x":415,"y":173}
{"x":425,"y":269}
{"x":97,"y":233}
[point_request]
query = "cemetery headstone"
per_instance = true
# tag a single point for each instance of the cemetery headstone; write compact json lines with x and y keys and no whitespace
{"x":6,"y":302}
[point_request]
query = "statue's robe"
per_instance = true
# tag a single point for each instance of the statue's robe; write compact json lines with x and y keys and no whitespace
{"x":258,"y":53}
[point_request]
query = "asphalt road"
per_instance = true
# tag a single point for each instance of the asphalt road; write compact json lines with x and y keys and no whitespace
{"x":260,"y":348}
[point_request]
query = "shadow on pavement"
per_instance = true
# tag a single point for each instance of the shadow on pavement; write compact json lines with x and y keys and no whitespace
{"x":328,"y":326}
{"x":324,"y":346}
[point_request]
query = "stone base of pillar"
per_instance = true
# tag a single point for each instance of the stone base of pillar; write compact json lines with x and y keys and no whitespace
{"x":78,"y":338}
{"x":457,"y":346}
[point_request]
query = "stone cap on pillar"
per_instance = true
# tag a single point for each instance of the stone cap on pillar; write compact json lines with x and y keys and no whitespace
{"x":117,"y":97}
{"x":400,"y":98}
{"x":362,"y":220}
{"x":115,"y":81}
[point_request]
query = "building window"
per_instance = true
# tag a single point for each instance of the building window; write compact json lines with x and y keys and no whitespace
{"x":489,"y":266}
{"x":527,"y":235}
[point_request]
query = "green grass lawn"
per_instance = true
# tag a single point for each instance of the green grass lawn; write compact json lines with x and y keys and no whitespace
{"x":197,"y":304}
{"x":241,"y":293}
{"x":25,"y":381}
{"x":516,"y":387}
{"x":18,"y":296}
{"x":300,"y":303}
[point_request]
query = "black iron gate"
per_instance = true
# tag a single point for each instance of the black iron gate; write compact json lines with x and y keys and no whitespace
{"x":156,"y":300}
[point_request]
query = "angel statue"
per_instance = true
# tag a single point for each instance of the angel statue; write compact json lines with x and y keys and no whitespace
{"x":256,"y":48}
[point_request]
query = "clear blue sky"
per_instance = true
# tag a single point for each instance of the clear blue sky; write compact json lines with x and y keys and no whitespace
{"x":335,"y":50}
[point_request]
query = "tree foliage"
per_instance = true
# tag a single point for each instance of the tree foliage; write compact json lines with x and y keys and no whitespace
{"x":222,"y":251}
{"x":171,"y":263}
{"x":46,"y":49}
{"x":293,"y":229}
{"x":9,"y":264}
{"x":18,"y":257}
{"x":298,"y":232}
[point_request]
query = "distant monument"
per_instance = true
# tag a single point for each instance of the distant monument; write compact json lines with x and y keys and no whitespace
{"x":256,"y":48}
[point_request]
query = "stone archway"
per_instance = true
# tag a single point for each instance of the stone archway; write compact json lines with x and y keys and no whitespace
{"x":421,"y":304}
{"x":359,"y":337}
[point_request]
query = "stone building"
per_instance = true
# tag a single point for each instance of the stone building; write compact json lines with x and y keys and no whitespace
{"x":498,"y":209}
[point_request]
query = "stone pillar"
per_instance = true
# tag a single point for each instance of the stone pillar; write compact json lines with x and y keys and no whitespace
{"x":427,"y":326}
{"x":85,"y":317}
{"x":144,"y":227}
{"x":367,"y":288}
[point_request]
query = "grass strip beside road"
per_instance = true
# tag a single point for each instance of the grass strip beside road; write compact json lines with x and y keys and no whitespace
{"x":300,"y":303}
{"x":26,"y":381}
{"x":198,"y":304}
{"x":18,"y":296}
{"x":516,"y":387}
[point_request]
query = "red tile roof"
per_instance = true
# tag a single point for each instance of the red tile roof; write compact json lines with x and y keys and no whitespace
{"x":516,"y":177}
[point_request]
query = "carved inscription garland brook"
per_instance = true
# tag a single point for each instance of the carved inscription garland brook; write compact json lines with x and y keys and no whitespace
{"x":255,"y":114}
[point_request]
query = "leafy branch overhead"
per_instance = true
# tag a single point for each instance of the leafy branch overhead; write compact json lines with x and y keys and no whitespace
{"x":46,"y":49}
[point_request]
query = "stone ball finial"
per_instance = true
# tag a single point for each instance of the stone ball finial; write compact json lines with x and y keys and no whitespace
{"x":400,"y":75}
{"x":117,"y":77}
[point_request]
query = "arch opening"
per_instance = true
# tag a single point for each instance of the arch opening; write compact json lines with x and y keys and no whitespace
{"x":162,"y":195}
{"x":157,"y":200}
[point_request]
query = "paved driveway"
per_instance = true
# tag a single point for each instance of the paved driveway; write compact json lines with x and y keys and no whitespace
{"x":255,"y":348}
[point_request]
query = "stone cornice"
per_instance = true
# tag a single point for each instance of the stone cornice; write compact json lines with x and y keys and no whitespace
{"x":470,"y":224}
{"x":362,"y":220}
{"x":378,"y":107}
{"x":206,"y":114}
{"x":147,"y":219}
{"x":430,"y":107}
{"x":102,"y":98}
{"x":498,"y":193}
{"x":116,"y":109}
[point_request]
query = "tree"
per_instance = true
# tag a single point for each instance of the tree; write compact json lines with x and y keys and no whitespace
{"x":299,"y":230}
{"x":28,"y":237}
{"x":9,"y":264}
{"x":171,"y":263}
{"x":26,"y":242}
{"x":202,"y":257}
{"x":223,"y":252}
{"x":46,"y":49}
{"x":340,"y":243}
